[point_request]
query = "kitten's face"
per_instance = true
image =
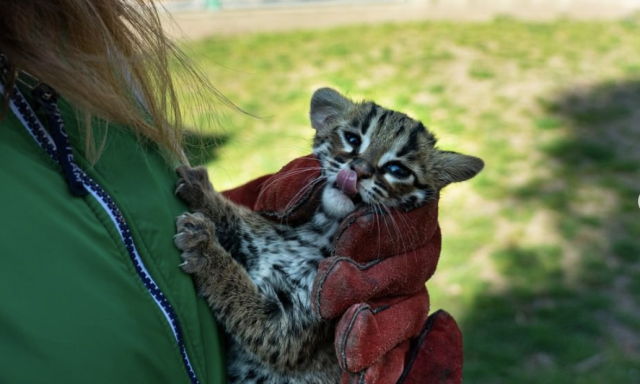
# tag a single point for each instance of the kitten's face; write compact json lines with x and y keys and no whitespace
{"x":375,"y":156}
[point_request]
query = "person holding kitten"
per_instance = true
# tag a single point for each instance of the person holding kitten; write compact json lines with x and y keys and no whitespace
{"x":90,"y":288}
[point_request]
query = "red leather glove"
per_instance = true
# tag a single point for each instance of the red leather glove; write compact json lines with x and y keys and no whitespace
{"x":374,"y":283}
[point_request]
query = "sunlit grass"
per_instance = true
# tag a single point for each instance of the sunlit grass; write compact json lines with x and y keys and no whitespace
{"x":541,"y":252}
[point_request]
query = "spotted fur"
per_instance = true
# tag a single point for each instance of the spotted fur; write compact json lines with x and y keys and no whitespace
{"x":257,"y":275}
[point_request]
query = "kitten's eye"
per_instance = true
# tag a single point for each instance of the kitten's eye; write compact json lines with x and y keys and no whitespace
{"x":397,"y":170}
{"x":352,"y":139}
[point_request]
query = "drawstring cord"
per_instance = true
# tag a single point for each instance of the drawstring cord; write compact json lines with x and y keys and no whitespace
{"x":47,"y":99}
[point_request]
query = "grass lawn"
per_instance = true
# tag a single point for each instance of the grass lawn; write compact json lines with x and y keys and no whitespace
{"x":541,"y":254}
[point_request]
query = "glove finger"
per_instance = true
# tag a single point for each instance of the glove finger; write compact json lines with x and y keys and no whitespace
{"x":341,"y":282}
{"x":247,"y":194}
{"x":366,"y":332}
{"x":387,"y":370}
{"x":292,"y":194}
{"x":365,"y":235}
{"x":436,"y":354}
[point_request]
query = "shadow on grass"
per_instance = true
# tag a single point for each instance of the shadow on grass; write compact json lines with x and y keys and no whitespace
{"x":201,"y":148}
{"x":569,"y":311}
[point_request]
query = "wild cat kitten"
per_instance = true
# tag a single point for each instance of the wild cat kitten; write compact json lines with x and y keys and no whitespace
{"x":257,"y":275}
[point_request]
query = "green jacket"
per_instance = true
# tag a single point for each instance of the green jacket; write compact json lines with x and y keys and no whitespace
{"x":73,"y":308}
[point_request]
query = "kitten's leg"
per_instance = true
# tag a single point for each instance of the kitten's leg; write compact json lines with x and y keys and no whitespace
{"x":255,"y":321}
{"x":195,"y":189}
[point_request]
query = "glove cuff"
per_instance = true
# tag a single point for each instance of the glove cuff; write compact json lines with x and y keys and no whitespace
{"x":436,"y":355}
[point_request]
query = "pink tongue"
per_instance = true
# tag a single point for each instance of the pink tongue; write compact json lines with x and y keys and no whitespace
{"x":347,"y":180}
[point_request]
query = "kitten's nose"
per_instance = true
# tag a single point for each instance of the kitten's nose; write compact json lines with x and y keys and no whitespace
{"x":362,"y":168}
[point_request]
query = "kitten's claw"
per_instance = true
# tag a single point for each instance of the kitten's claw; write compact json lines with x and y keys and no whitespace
{"x":179,"y":187}
{"x":192,"y":186}
{"x":193,"y":238}
{"x":193,"y":231}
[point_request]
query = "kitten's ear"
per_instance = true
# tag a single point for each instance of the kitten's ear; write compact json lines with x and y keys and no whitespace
{"x":327,"y":104}
{"x":453,"y":167}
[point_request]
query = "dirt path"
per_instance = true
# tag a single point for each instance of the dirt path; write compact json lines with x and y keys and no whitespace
{"x":196,"y":25}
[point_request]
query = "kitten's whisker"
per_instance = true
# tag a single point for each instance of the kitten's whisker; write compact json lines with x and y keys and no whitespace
{"x":285,"y":175}
{"x":378,"y":210}
{"x":296,"y":171}
{"x":394,"y":226}
{"x":414,"y":233}
{"x":386,"y":223}
{"x":377,"y":205}
{"x":282,"y":176}
{"x":303,"y":190}
{"x":397,"y":229}
{"x":305,"y":169}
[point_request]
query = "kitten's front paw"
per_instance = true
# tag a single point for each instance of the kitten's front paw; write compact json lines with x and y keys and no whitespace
{"x":192,"y":185}
{"x":193,"y":237}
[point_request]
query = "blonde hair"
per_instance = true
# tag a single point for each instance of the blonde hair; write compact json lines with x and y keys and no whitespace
{"x":109,"y":58}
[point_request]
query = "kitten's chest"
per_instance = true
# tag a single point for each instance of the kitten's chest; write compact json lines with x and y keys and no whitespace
{"x":288,"y":258}
{"x":287,"y":262}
